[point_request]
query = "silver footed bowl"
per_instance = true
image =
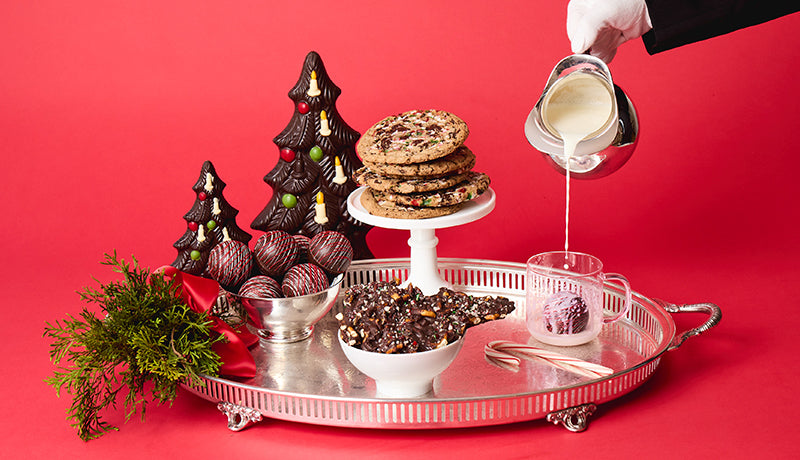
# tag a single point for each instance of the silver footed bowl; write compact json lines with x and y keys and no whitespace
{"x":288,"y":319}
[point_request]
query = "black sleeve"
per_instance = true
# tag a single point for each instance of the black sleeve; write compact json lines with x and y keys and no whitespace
{"x":679,"y":22}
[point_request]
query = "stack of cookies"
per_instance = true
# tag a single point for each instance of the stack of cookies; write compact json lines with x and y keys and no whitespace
{"x":416,"y":166}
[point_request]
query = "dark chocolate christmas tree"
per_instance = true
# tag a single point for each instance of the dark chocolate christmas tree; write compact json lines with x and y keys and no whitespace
{"x":210,"y":221}
{"x":312,"y":179}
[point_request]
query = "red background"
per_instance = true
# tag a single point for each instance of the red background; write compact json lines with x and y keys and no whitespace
{"x":108,"y":110}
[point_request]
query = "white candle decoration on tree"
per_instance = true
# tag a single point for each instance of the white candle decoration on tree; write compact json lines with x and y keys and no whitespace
{"x":201,"y":235}
{"x":340,"y":177}
{"x":225,"y":236}
{"x":321,"y":216}
{"x":324,"y":129}
{"x":215,"y":209}
{"x":209,"y":186}
{"x":313,"y":88}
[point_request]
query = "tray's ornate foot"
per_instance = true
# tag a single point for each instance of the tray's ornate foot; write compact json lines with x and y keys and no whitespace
{"x":575,"y":419}
{"x":238,"y":416}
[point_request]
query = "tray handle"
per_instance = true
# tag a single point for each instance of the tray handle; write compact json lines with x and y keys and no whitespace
{"x":714,"y":317}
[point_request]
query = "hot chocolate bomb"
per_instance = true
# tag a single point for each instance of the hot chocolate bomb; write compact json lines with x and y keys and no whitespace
{"x":275,"y":252}
{"x":261,"y":287}
{"x":304,"y":279}
{"x":230,"y":262}
{"x":565,"y":313}
{"x":302,"y":263}
{"x":302,"y":243}
{"x":331,"y":251}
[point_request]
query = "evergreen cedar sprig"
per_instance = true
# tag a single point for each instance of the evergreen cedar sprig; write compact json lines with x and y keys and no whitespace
{"x":148,"y":334}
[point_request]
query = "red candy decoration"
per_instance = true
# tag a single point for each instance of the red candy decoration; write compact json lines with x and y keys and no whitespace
{"x":202,"y":196}
{"x":230,"y":262}
{"x":261,"y":287}
{"x":275,"y":252}
{"x":302,"y":107}
{"x":304,"y":279}
{"x":287,"y":154}
{"x":193,"y":226}
{"x":331,"y":250}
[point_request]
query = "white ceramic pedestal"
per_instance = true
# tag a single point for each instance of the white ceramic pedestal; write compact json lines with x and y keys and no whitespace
{"x":423,"y":269}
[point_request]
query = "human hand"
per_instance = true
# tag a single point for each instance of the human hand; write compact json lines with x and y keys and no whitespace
{"x":600,"y":26}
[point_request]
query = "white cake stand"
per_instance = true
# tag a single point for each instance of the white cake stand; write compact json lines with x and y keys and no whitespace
{"x":424,"y":269}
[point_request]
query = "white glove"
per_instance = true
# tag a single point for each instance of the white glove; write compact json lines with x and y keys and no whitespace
{"x":600,"y":26}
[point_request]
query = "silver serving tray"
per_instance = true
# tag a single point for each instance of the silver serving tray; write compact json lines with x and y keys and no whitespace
{"x":312,"y":382}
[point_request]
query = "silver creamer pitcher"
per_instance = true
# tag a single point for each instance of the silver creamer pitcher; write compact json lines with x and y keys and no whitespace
{"x":605,"y":150}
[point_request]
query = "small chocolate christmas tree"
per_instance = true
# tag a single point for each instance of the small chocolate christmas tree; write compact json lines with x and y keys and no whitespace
{"x":210,"y":221}
{"x":312,"y":179}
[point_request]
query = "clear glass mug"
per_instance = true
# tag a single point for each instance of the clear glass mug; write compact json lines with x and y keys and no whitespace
{"x":564,"y":297}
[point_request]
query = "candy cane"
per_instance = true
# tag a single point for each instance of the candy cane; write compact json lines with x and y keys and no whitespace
{"x":502,"y":351}
{"x":502,"y":359}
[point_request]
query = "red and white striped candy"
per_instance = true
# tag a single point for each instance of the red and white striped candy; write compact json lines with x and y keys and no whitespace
{"x":504,"y":354}
{"x":502,"y":359}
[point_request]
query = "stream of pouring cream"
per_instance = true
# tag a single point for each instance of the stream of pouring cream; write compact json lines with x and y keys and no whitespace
{"x":578,"y":106}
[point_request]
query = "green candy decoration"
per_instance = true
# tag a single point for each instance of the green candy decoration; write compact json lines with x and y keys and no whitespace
{"x":195,"y":254}
{"x":315,"y":153}
{"x":211,"y":225}
{"x":289,"y":200}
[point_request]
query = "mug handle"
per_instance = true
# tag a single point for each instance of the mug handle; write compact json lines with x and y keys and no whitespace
{"x":627,"y":285}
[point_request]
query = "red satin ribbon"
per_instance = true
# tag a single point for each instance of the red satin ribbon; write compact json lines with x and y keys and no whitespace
{"x":201,"y":295}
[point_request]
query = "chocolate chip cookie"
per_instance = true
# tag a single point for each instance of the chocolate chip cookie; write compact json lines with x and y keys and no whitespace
{"x":392,"y":210}
{"x":461,"y":160}
{"x":364,"y":176}
{"x":415,"y":136}
{"x":475,"y":184}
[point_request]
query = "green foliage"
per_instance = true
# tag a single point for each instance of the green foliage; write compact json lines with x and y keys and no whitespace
{"x":148,"y":336}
